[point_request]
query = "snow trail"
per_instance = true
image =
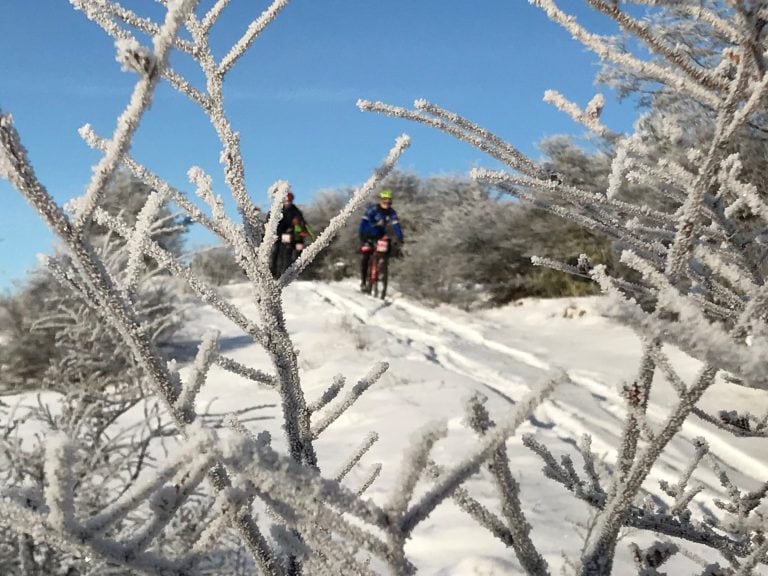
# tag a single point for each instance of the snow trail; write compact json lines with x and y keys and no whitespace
{"x":459,"y":345}
{"x":438,"y":357}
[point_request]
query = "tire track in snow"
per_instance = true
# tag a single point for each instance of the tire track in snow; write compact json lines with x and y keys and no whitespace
{"x":570,"y":421}
{"x":433,"y":333}
{"x":568,"y":418}
{"x":724,"y":450}
{"x":470,"y":334}
{"x":443,"y":354}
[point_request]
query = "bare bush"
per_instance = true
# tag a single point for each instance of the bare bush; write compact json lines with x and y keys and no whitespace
{"x":218,"y":494}
{"x":217,"y":265}
{"x":696,"y":249}
{"x":180,"y":515}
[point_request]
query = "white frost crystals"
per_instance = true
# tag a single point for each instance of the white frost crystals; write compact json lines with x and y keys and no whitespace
{"x":689,"y":220}
{"x":227,"y":499}
{"x":6,"y":167}
{"x":589,"y":117}
{"x":134,"y":57}
{"x":167,"y":494}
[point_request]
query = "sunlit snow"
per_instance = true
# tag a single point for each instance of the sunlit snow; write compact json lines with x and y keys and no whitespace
{"x":440,"y":356}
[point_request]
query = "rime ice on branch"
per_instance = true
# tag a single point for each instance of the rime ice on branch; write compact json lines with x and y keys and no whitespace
{"x":700,"y":250}
{"x":217,"y":494}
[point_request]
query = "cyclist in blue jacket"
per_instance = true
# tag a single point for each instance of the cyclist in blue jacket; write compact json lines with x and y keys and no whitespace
{"x":373,"y":226}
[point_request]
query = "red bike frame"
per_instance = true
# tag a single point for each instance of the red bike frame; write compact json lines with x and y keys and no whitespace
{"x":377,"y":267}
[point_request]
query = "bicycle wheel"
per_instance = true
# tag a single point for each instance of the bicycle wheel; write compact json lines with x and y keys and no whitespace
{"x":373,"y":274}
{"x":369,"y":274}
{"x":382,"y":275}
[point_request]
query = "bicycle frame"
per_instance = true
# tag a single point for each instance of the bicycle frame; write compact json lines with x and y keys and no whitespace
{"x":377,"y":267}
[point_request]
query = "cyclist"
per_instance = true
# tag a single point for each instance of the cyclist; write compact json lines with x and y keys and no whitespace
{"x":292,"y":234}
{"x":373,"y":226}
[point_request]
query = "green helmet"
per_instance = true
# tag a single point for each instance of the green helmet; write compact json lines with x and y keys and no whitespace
{"x":385,"y":194}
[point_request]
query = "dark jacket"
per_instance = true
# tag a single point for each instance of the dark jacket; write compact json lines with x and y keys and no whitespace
{"x":291,"y":216}
{"x":293,"y":222}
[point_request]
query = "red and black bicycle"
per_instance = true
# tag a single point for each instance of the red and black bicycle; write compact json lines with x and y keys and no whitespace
{"x":377,"y":277}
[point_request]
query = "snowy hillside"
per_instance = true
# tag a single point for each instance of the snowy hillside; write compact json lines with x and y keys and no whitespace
{"x":440,"y":356}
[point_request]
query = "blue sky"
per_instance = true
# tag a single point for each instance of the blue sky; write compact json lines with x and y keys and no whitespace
{"x":293,"y":95}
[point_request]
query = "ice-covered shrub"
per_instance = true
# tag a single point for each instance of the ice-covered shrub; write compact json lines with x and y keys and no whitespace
{"x":215,"y":496}
{"x":699,"y":255}
{"x":217,"y":265}
{"x":685,"y":206}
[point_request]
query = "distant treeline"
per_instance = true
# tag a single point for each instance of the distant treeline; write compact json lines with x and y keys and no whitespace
{"x":466,"y":244}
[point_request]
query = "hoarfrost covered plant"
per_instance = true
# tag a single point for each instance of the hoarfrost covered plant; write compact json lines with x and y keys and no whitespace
{"x":698,"y":247}
{"x":699,"y":252}
{"x":215,"y":495}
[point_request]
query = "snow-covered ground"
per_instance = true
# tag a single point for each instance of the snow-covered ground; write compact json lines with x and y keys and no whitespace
{"x":438,"y":357}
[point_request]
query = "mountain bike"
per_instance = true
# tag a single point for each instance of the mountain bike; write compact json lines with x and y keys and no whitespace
{"x":377,"y":278}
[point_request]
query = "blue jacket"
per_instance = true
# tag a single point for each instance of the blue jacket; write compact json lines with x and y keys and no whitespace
{"x":375,"y":221}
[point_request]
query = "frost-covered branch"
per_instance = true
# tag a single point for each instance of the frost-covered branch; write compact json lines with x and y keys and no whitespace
{"x":357,"y":390}
{"x":329,"y":394}
{"x":606,"y":50}
{"x":509,"y":491}
{"x":461,"y":128}
{"x":589,"y":117}
{"x":675,"y":55}
{"x":206,"y":356}
{"x":456,"y":475}
{"x":148,"y":66}
{"x":356,"y":456}
{"x":245,"y":371}
{"x":255,"y":28}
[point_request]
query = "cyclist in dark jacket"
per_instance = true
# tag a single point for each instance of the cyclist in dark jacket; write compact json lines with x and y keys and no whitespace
{"x":292,"y":234}
{"x":373,"y":226}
